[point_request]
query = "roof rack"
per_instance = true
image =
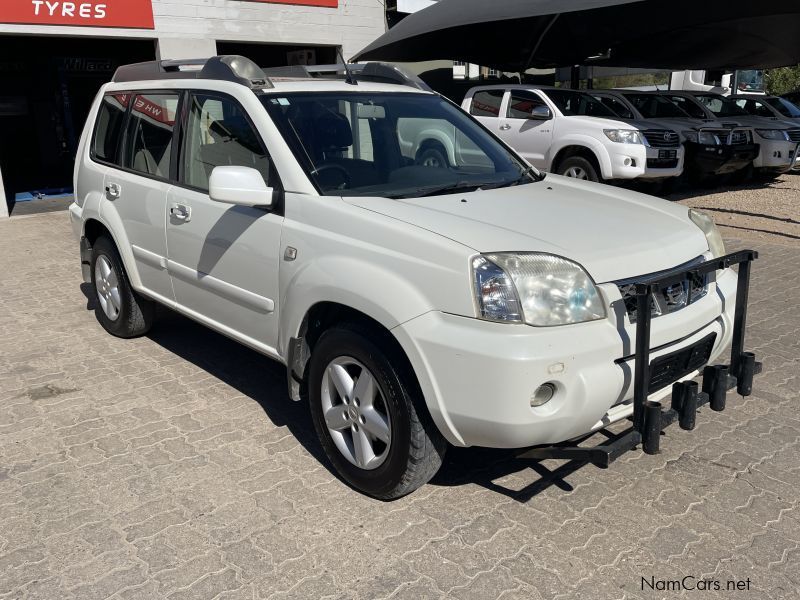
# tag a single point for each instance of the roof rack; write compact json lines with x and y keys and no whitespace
{"x":376,"y":72}
{"x":237,"y":69}
{"x":244,"y":71}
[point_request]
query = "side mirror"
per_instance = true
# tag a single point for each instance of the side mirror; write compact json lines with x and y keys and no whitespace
{"x":242,"y":186}
{"x":541,"y":113}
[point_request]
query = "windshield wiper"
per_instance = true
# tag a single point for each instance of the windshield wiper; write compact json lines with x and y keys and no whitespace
{"x":440,"y":189}
{"x":530,"y":174}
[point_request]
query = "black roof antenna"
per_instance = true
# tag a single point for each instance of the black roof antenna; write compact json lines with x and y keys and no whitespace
{"x":348,"y":74}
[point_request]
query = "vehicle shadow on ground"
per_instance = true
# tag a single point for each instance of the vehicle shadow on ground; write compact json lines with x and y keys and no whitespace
{"x":501,"y":471}
{"x":264,"y":381}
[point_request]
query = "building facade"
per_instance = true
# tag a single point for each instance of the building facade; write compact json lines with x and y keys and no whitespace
{"x":54,"y":56}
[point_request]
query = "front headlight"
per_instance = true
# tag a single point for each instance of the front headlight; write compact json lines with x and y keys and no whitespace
{"x":539,"y":289}
{"x":707,"y":226}
{"x":773,"y":134}
{"x":623,"y":136}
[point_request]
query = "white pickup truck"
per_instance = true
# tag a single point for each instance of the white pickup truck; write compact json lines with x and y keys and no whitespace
{"x":570,"y":133}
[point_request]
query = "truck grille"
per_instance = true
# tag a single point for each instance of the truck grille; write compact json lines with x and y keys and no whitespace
{"x":738,"y":138}
{"x":794,"y":135}
{"x":661,"y":138}
{"x":670,"y":299}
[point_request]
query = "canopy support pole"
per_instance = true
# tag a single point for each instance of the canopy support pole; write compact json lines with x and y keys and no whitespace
{"x":536,"y":46}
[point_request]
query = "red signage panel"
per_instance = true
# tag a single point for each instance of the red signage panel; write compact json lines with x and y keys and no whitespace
{"x":135,"y":14}
{"x":326,"y":3}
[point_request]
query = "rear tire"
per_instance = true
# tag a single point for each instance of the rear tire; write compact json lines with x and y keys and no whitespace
{"x":578,"y":167}
{"x":121,"y":311}
{"x":405,"y":448}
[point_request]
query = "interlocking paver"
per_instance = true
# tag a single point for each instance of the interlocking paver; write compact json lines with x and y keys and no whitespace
{"x":175,"y":466}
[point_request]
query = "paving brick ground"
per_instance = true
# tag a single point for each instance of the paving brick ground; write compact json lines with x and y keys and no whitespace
{"x":174,"y":466}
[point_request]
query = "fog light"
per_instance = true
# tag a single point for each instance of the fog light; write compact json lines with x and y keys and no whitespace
{"x":628,"y":162}
{"x":543,"y":394}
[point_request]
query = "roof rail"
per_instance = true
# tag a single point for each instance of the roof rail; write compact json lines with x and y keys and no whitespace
{"x":237,"y":69}
{"x":376,"y":72}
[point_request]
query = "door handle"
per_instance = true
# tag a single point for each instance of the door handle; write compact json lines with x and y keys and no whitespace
{"x":113,"y":191}
{"x":505,"y":127}
{"x":181,"y":212}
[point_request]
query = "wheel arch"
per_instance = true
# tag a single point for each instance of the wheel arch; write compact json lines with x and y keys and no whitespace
{"x":433,"y":138}
{"x":95,"y":227}
{"x":591,"y":150}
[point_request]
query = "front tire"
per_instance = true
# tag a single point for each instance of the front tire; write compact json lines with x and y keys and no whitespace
{"x":121,"y":311}
{"x":433,"y":156}
{"x":369,"y":415}
{"x":578,"y":167}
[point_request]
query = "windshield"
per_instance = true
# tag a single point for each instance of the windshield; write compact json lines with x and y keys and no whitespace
{"x":572,"y":103}
{"x":655,"y":107}
{"x":721,"y":106}
{"x":783,"y":106}
{"x":394,"y":145}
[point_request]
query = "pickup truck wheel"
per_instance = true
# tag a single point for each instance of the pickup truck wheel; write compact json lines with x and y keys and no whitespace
{"x":121,"y":311}
{"x":578,"y":167}
{"x":369,"y":424}
{"x":433,"y":156}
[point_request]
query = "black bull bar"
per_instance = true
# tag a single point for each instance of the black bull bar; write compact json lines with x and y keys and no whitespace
{"x":649,"y":418}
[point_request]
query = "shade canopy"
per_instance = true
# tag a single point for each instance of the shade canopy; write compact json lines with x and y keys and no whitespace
{"x":515,"y":35}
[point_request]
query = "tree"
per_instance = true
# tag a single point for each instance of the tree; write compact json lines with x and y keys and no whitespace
{"x":782,"y":81}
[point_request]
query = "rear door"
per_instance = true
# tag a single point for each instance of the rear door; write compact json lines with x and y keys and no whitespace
{"x":136,"y":188}
{"x":528,"y":136}
{"x":223,"y":259}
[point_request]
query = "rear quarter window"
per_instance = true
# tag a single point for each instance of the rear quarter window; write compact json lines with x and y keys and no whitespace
{"x":108,"y":130}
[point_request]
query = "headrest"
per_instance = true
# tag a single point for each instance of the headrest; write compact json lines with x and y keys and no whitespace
{"x":333,"y":131}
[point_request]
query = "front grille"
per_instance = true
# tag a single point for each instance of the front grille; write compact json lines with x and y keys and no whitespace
{"x":738,"y":138}
{"x":669,"y":368}
{"x":670,"y":299}
{"x":794,"y":135}
{"x":661,"y":138}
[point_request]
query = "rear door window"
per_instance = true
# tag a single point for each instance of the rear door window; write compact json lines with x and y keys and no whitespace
{"x":148,"y":137}
{"x":108,"y":131}
{"x":486,"y":103}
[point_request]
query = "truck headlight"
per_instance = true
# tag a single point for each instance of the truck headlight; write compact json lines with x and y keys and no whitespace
{"x":707,"y":226}
{"x":773,"y":134}
{"x":542,"y":290}
{"x":623,"y":136}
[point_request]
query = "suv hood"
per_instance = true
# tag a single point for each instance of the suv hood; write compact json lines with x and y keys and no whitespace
{"x":613,"y":233}
{"x":684,"y":124}
{"x":758,"y":122}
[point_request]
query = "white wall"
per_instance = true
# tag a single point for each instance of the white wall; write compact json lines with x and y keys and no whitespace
{"x":198,"y":23}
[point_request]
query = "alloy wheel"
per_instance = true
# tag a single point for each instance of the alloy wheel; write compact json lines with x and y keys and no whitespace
{"x":355,"y":412}
{"x":106,"y":283}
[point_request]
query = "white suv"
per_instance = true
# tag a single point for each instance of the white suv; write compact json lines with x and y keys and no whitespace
{"x":571,"y":133}
{"x":415,"y":306}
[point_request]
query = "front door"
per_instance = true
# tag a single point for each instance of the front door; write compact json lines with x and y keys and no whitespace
{"x":223,"y":259}
{"x":530,"y":137}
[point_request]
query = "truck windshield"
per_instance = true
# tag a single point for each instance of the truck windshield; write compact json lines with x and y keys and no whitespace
{"x":393,"y":145}
{"x":783,"y":106}
{"x":721,"y":106}
{"x":572,"y":103}
{"x":656,"y":107}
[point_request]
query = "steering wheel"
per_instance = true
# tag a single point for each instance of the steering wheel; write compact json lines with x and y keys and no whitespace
{"x":334,"y":167}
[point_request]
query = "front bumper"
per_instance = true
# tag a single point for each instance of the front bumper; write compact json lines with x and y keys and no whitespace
{"x":703,"y":159}
{"x":631,"y":161}
{"x":478,"y":377}
{"x":776,"y":155}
